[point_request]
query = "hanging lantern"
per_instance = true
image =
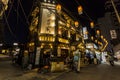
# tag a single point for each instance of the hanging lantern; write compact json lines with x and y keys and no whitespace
{"x":96,"y":41}
{"x":58,"y":8}
{"x":68,"y":25}
{"x":80,"y":10}
{"x":92,"y":38}
{"x":101,"y":37}
{"x":92,"y":24}
{"x":86,"y":32}
{"x":104,"y":39}
{"x":76,"y":23}
{"x":98,"y":32}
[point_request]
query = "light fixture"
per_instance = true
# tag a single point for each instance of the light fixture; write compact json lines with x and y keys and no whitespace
{"x":80,"y":10}
{"x":96,"y":41}
{"x":58,"y":8}
{"x":76,"y":23}
{"x":92,"y":37}
{"x":98,"y":32}
{"x":92,"y":24}
{"x":101,"y":37}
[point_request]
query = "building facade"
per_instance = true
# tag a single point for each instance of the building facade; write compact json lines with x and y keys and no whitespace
{"x":110,"y":26}
{"x":53,"y":33}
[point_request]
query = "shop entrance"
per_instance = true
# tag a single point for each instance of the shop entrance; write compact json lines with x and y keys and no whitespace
{"x":45,"y":56}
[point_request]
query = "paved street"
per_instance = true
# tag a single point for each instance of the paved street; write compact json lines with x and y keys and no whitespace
{"x":91,"y":72}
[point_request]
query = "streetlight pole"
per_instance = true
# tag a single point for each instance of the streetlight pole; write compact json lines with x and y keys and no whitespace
{"x":116,"y":12}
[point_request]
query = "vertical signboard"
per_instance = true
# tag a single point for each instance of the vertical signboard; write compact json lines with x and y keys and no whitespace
{"x":85,"y":35}
{"x":48,"y":19}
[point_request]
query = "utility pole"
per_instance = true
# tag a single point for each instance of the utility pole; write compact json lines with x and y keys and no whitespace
{"x":116,"y":12}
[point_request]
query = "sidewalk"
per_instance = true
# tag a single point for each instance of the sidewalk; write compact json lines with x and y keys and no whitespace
{"x":4,"y":57}
{"x":15,"y":73}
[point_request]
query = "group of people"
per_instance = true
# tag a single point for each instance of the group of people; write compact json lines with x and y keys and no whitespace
{"x":78,"y":57}
{"x":21,"y":59}
{"x":73,"y":62}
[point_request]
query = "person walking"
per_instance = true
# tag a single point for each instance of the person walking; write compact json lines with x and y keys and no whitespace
{"x":25,"y":60}
{"x":111,"y":60}
{"x":76,"y":60}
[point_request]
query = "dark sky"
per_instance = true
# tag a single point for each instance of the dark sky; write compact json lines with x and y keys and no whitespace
{"x":19,"y":26}
{"x":92,"y":8}
{"x":17,"y":31}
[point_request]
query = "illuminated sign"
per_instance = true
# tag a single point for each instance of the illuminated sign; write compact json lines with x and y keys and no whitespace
{"x":90,"y":46}
{"x":63,"y":40}
{"x":47,"y":38}
{"x":15,"y":44}
{"x":48,"y":19}
{"x":85,"y":34}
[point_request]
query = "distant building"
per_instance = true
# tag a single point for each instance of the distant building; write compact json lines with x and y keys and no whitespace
{"x":110,"y":25}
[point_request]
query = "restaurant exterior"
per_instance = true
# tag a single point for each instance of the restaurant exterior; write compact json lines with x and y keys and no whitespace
{"x":53,"y":35}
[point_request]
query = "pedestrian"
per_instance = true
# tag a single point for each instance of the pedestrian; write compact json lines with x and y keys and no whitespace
{"x":25,"y":60}
{"x":15,"y":57}
{"x":111,"y":60}
{"x":69,"y":62}
{"x":76,"y":60}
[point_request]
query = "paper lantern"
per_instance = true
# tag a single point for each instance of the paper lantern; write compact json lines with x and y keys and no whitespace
{"x":58,"y":8}
{"x":92,"y":24}
{"x":92,"y":37}
{"x":101,"y":37}
{"x":80,"y":10}
{"x":98,"y":32}
{"x":76,"y":23}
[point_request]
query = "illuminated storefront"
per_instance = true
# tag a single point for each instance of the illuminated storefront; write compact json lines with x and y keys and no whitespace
{"x":52,"y":33}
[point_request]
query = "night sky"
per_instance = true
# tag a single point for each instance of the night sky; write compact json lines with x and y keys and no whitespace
{"x":18,"y":26}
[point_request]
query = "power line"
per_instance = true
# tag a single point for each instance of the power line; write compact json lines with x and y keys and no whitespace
{"x":69,"y":12}
{"x":34,"y":2}
{"x":10,"y":9}
{"x":9,"y":26}
{"x":84,"y":11}
{"x":24,"y":12}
